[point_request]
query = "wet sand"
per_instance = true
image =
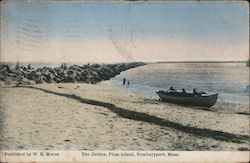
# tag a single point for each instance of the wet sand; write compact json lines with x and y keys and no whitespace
{"x":104,"y":117}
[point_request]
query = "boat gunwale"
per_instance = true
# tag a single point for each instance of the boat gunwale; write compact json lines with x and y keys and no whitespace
{"x":193,"y":100}
{"x":178,"y":94}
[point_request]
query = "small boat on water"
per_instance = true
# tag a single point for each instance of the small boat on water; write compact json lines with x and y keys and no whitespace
{"x":200,"y":99}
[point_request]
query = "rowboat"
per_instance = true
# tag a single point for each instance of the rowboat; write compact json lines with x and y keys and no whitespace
{"x":199,"y":99}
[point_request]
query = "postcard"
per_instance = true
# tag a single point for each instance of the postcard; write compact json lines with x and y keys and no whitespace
{"x":124,"y":81}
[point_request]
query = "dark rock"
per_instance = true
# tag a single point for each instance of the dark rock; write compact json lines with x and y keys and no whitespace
{"x":24,"y":80}
{"x":82,"y":74}
{"x":243,"y":149}
{"x":32,"y":82}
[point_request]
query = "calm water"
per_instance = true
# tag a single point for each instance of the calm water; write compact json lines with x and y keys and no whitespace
{"x":230,"y":80}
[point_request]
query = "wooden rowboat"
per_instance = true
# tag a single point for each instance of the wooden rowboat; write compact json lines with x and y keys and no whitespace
{"x":200,"y":99}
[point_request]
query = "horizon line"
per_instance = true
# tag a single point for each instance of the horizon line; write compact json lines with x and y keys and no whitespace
{"x":239,"y":61}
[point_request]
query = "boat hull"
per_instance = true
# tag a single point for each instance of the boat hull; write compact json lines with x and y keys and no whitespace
{"x":203,"y":101}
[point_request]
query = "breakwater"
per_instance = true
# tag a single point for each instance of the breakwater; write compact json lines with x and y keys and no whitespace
{"x":90,"y":73}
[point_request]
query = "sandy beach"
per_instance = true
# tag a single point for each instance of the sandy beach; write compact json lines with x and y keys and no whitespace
{"x":101,"y":116}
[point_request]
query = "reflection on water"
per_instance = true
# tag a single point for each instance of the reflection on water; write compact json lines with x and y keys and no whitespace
{"x":230,"y":80}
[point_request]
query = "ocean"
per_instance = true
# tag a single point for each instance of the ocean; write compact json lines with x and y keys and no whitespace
{"x":229,"y":80}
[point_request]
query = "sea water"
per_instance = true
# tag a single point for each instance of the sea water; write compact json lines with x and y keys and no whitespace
{"x":229,"y":80}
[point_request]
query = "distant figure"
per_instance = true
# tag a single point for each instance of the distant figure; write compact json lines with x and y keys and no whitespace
{"x":29,"y":67}
{"x":183,"y":90}
{"x":194,"y":92}
{"x":128,"y":83}
{"x":171,"y":88}
{"x":124,"y":81}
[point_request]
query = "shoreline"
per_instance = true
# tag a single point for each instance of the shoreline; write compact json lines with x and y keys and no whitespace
{"x":105,"y":117}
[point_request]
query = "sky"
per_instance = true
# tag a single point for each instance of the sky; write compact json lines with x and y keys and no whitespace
{"x":92,"y":31}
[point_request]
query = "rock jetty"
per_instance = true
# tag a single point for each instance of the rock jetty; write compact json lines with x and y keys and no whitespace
{"x":90,"y":73}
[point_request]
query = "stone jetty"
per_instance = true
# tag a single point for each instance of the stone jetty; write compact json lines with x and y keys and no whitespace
{"x":90,"y":73}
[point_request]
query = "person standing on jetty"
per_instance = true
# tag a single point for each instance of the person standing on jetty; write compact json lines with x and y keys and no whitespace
{"x":194,"y":92}
{"x":124,"y":81}
{"x":128,"y":83}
